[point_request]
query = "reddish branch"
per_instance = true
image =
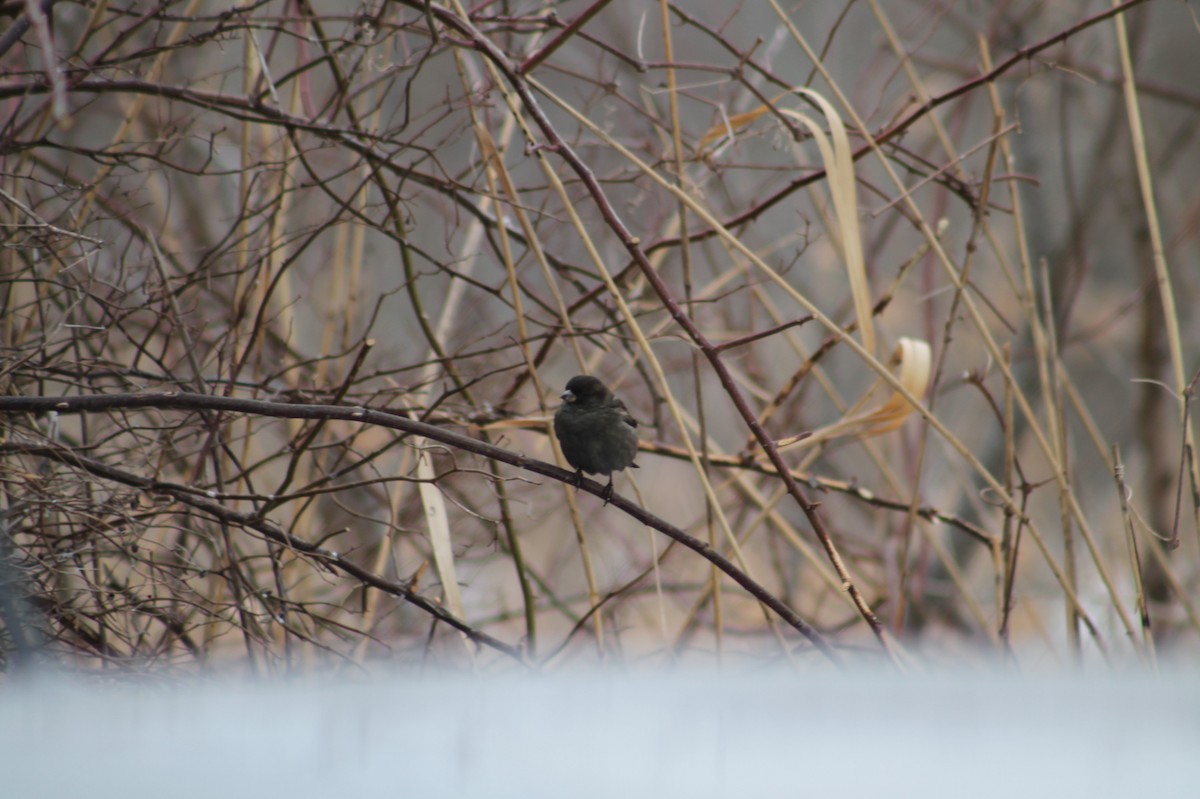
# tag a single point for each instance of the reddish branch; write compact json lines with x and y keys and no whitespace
{"x":562,"y":37}
{"x":918,"y":113}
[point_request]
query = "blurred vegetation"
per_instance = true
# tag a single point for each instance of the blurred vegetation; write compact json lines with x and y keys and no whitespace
{"x":734,"y":215}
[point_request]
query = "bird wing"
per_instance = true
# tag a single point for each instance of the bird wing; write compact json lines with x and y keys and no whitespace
{"x":626,"y":416}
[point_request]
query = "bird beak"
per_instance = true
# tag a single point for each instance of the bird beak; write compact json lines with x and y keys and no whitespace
{"x":568,"y":396}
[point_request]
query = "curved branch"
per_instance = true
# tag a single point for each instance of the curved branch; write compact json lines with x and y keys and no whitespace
{"x":182,"y":400}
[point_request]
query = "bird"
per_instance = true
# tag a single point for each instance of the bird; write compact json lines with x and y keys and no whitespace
{"x":596,"y":432}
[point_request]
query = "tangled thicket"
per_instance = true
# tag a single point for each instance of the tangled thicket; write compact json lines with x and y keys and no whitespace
{"x":229,"y":230}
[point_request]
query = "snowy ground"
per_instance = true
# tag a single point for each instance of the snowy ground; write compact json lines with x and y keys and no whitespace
{"x":605,"y":734}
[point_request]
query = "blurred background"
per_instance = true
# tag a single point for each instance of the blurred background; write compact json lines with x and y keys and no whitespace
{"x":446,"y":211}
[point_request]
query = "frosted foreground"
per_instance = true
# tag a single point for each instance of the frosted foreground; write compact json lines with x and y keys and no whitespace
{"x":599,"y":734}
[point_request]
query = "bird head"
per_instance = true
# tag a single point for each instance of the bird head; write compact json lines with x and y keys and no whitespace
{"x":584,"y":389}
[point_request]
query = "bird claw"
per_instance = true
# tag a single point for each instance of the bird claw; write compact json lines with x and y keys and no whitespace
{"x":607,"y":493}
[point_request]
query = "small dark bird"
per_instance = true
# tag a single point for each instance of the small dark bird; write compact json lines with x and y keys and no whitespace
{"x":597,"y":434}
